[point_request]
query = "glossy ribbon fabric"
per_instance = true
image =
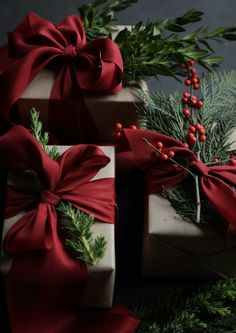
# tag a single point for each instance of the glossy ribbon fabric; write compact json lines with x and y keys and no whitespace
{"x":45,"y":284}
{"x":217,"y":182}
{"x":37,"y":43}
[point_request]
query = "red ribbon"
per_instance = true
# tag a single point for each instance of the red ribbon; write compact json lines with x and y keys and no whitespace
{"x":37,"y":43}
{"x":216,"y":181}
{"x":45,"y":284}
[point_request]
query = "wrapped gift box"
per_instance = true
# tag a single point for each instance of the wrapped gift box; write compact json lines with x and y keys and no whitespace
{"x":176,"y":248}
{"x":102,"y":274}
{"x":105,"y":109}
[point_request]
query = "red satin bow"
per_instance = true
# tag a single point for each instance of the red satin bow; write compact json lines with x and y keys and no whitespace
{"x":216,"y":181}
{"x":45,"y":284}
{"x":37,"y":43}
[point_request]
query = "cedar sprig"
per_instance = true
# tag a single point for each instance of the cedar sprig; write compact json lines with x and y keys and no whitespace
{"x":99,"y":16}
{"x":76,"y":224}
{"x":181,"y":309}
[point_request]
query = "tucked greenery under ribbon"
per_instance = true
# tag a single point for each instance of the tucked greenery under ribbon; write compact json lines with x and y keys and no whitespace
{"x":153,"y":49}
{"x":218,"y":118}
{"x":75,"y":224}
{"x":208,"y":308}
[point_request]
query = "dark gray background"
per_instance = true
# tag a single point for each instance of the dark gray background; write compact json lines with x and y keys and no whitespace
{"x":217,"y":13}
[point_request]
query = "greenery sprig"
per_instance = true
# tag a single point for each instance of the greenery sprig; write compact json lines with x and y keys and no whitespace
{"x":76,"y":225}
{"x":180,"y":309}
{"x":99,"y":16}
{"x":153,"y":49}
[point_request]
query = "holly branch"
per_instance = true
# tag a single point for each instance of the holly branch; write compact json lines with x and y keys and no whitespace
{"x":75,"y":224}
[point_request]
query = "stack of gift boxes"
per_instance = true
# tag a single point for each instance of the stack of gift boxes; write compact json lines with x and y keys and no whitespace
{"x":171,"y":247}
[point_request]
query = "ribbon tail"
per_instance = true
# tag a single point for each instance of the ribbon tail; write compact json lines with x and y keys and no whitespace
{"x":64,"y":96}
{"x":222,"y":197}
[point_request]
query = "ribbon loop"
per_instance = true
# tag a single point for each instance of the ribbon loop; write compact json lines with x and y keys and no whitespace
{"x":49,"y":198}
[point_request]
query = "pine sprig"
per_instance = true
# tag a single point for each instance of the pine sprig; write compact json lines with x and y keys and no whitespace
{"x":77,"y":226}
{"x":189,"y":309}
{"x":74,"y":223}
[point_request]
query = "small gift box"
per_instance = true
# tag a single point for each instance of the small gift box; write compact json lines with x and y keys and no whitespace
{"x":98,"y":289}
{"x":176,"y":248}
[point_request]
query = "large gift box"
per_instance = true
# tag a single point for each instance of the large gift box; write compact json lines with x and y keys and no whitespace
{"x":176,"y":248}
{"x":98,"y":290}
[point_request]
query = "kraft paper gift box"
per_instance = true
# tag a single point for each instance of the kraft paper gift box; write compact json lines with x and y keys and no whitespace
{"x":105,"y":109}
{"x":102,"y":274}
{"x":176,"y":248}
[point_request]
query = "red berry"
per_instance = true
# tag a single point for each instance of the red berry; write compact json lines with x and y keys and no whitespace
{"x":182,"y":65}
{"x":188,"y":118}
{"x":198,"y":79}
{"x":117,"y":135}
{"x":185,"y":100}
{"x":200,"y":104}
{"x":171,"y":153}
{"x":196,"y":86}
{"x":198,"y":126}
{"x":185,"y":145}
{"x":202,"y":130}
{"x":118,"y":126}
{"x":215,"y":159}
{"x":194,"y":80}
{"x":186,"y":94}
{"x":187,"y":82}
{"x":194,"y":103}
{"x":232,"y":162}
{"x":192,"y":129}
{"x":164,"y":157}
{"x":193,"y":140}
{"x":193,"y":71}
{"x":159,"y":145}
{"x":202,"y":138}
{"x":194,"y":98}
{"x":133,"y":127}
{"x":191,"y":62}
{"x":191,"y":135}
{"x":186,"y":112}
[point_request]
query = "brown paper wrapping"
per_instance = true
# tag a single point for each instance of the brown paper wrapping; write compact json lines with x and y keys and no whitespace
{"x":175,"y":248}
{"x":100,"y":283}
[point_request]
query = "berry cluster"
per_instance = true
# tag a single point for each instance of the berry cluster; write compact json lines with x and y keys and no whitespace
{"x":163,"y":156}
{"x":118,"y":129}
{"x":191,"y":104}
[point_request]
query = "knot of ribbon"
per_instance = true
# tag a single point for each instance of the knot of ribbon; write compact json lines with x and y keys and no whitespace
{"x":37,"y":43}
{"x":217,"y":182}
{"x":70,"y":53}
{"x":49,"y":198}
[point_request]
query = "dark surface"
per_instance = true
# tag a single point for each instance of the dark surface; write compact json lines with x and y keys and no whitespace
{"x":130,"y":286}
